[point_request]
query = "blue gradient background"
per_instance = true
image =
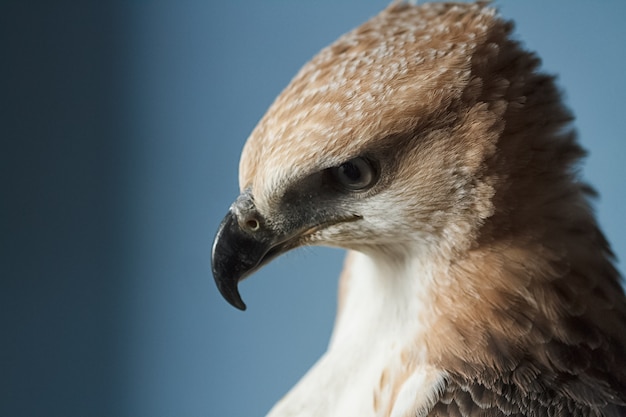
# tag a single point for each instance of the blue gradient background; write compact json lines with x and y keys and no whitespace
{"x":121,"y":128}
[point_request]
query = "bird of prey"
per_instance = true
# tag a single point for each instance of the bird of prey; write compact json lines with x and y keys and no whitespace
{"x":429,"y":144}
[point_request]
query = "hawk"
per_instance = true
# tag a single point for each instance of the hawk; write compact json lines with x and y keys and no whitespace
{"x":429,"y":144}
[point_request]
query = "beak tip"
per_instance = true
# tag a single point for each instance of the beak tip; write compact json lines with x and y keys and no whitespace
{"x":228,"y":289}
{"x":232,"y":296}
{"x":236,"y":301}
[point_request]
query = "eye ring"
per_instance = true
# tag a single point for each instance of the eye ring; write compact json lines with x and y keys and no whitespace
{"x":356,"y":174}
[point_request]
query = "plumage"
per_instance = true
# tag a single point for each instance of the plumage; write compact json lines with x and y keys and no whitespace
{"x":429,"y":144}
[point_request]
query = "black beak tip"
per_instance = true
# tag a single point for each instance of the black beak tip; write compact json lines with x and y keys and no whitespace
{"x":230,"y":294}
{"x":234,"y":299}
{"x":240,"y":305}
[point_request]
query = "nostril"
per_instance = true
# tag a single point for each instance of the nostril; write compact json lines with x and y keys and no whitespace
{"x":253,"y":224}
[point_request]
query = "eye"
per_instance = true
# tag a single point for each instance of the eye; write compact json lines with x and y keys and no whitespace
{"x":355,"y":175}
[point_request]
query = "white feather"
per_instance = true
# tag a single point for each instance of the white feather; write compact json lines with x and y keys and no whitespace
{"x":384,"y":314}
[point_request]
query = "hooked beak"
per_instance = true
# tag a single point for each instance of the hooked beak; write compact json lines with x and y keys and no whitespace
{"x":237,"y":254}
{"x":245,"y":242}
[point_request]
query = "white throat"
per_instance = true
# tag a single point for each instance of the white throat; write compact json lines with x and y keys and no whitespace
{"x":375,"y":365}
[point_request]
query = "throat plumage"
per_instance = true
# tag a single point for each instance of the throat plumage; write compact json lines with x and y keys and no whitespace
{"x":377,"y":350}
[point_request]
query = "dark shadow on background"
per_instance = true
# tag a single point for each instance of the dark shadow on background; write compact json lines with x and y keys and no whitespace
{"x":62,"y":169}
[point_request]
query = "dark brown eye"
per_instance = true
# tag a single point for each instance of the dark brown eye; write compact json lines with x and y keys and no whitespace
{"x":355,"y":175}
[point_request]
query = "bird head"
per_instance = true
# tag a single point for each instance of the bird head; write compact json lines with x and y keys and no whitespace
{"x":383,"y":143}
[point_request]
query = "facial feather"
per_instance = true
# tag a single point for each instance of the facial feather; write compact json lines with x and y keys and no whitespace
{"x":332,"y":108}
